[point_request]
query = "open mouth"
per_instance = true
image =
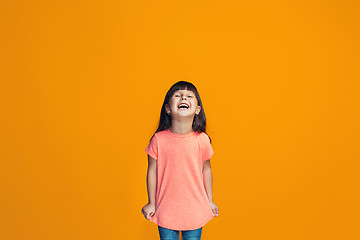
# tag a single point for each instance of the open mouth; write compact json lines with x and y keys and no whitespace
{"x":183,"y":106}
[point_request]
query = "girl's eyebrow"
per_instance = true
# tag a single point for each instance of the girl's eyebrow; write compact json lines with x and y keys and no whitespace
{"x":189,"y":92}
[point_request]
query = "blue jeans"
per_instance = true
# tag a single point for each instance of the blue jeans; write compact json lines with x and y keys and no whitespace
{"x":169,"y":234}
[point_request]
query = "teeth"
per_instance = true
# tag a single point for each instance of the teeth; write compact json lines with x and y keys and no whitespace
{"x":183,"y":106}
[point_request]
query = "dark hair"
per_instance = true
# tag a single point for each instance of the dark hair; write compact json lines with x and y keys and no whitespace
{"x":199,"y":122}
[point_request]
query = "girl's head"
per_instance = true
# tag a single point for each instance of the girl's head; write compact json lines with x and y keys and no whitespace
{"x":182,"y":92}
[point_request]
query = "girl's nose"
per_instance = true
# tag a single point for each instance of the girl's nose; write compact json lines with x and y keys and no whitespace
{"x":183,"y":98}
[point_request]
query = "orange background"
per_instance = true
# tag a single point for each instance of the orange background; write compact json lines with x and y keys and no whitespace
{"x":82,"y":83}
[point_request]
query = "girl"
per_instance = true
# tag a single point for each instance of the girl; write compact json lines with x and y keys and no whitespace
{"x":179,"y":176}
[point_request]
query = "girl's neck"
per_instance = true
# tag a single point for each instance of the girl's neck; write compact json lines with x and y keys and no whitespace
{"x":181,"y":128}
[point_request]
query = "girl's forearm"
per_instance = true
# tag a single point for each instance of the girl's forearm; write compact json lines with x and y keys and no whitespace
{"x":151,"y":185}
{"x":208,"y":182}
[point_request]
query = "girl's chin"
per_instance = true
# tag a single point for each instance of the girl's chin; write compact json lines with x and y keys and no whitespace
{"x":185,"y":114}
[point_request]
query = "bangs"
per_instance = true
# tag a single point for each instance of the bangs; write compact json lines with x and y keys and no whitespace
{"x":183,"y":86}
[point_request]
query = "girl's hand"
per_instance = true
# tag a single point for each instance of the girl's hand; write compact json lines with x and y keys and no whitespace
{"x":148,"y":210}
{"x":214,"y":208}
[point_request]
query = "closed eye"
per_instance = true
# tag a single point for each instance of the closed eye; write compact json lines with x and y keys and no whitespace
{"x":179,"y":96}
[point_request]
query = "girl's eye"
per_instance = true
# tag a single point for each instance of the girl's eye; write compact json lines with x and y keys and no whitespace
{"x":177,"y":95}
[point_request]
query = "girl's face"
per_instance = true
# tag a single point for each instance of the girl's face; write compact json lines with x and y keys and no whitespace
{"x":183,"y":103}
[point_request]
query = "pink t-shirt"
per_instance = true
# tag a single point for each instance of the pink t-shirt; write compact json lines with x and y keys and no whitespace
{"x":181,"y":199}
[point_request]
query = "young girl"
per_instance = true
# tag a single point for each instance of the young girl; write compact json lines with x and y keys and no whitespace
{"x":179,"y":176}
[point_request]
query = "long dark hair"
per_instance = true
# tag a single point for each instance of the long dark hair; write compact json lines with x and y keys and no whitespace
{"x":199,"y":121}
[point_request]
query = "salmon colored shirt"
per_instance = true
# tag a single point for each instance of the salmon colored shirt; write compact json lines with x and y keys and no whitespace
{"x":181,"y":201}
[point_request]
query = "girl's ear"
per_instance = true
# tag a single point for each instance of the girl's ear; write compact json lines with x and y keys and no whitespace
{"x":198,"y":109}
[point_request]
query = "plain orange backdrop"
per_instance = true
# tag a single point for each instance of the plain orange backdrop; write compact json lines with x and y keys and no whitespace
{"x":81,"y":87}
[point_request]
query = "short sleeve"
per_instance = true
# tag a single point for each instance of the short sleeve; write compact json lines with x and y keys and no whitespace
{"x":152,"y":148}
{"x":207,"y":150}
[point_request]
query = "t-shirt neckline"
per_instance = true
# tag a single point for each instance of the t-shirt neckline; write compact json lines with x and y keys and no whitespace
{"x":180,"y":135}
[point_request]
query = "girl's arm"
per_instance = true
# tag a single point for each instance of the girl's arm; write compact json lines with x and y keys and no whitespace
{"x":208,"y":179}
{"x":151,"y":179}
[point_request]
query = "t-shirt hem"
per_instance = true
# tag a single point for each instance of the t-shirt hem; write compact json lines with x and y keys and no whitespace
{"x":182,"y":228}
